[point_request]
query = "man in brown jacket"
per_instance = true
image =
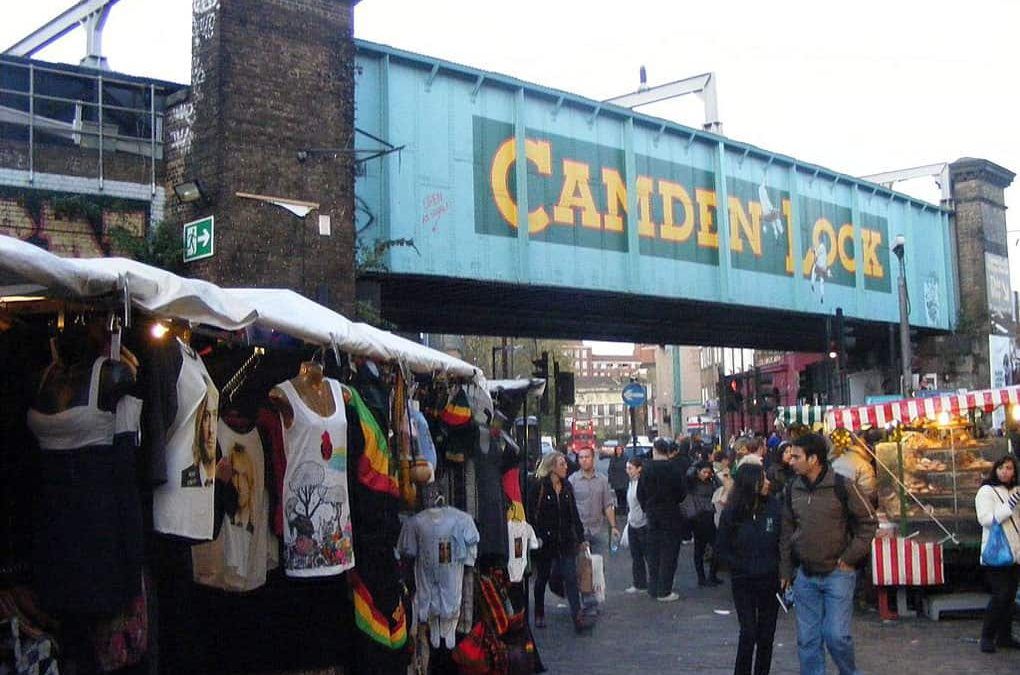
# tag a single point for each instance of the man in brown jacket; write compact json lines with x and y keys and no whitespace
{"x":827,"y":530}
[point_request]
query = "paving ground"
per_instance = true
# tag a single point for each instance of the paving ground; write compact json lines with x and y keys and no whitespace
{"x":637,"y":634}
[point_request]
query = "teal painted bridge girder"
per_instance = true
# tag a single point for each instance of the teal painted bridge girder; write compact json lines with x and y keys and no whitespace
{"x":610,"y":200}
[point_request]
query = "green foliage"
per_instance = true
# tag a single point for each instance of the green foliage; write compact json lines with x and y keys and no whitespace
{"x":372,"y":258}
{"x":164,"y":247}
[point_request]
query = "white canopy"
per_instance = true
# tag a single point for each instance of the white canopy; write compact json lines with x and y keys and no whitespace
{"x":535,"y":384}
{"x":26,"y":269}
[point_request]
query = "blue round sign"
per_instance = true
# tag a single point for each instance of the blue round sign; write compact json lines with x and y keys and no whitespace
{"x":634,"y":395}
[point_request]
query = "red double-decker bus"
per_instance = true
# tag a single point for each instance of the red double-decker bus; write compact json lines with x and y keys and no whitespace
{"x":582,"y":435}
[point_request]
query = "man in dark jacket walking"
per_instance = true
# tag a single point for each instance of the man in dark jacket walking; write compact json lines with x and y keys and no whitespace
{"x":660,"y":492}
{"x":827,"y":530}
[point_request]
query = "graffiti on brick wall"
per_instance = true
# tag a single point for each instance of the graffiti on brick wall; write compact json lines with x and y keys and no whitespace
{"x":203,"y":27}
{"x":182,"y":121}
{"x":72,"y":226}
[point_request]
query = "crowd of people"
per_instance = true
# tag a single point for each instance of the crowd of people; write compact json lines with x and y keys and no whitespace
{"x":790,"y":524}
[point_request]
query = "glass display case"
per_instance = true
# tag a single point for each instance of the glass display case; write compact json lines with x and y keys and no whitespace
{"x":942,"y":468}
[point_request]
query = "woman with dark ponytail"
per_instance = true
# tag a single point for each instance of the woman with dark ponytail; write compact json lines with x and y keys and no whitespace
{"x":748,"y":542}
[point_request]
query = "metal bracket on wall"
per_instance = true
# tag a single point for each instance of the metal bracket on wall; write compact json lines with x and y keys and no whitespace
{"x":361,"y":155}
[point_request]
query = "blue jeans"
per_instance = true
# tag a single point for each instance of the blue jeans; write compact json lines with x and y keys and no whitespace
{"x":825,"y":607}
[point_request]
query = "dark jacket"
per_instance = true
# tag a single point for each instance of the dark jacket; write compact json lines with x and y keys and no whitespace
{"x":818,"y":531}
{"x":618,"y":478}
{"x":555,"y":518}
{"x":750,"y":547}
{"x":699,"y":496}
{"x":660,"y":492}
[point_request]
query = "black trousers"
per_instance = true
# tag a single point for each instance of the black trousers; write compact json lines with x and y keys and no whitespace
{"x":757,"y":610}
{"x":704,"y":536}
{"x":1002,"y":582}
{"x":638,"y":538}
{"x":663,"y":551}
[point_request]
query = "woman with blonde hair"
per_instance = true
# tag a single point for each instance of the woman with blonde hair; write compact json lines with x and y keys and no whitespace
{"x":553,"y":514}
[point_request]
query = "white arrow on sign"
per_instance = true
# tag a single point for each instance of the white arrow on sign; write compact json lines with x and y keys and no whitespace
{"x":204,"y":238}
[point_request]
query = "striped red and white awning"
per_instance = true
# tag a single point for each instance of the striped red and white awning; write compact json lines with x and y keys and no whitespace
{"x":881,"y":414}
{"x":905,"y":562}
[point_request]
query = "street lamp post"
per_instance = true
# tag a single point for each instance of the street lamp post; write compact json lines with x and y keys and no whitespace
{"x":898,"y":249}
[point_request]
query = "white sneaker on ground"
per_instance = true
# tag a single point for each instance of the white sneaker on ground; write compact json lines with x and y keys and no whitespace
{"x":672,"y":597}
{"x":633,"y":589}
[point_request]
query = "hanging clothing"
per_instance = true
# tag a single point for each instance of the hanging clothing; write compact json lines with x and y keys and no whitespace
{"x":88,"y":547}
{"x":442,"y":541}
{"x":244,"y":550}
{"x":183,"y":504}
{"x":489,"y":464}
{"x":317,"y":512}
{"x":522,"y":539}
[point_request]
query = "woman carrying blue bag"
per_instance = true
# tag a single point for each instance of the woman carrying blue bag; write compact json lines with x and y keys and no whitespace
{"x":998,"y":511}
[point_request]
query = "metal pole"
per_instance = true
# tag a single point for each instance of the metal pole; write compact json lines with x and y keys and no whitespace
{"x":505,"y":362}
{"x":558,"y":407}
{"x":904,"y":335}
{"x":31,"y":123}
{"x":721,"y":394}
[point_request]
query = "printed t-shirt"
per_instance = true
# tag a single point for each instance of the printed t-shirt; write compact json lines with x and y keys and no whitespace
{"x":183,"y":504}
{"x":522,"y":539}
{"x":316,"y":507}
{"x":244,"y":550}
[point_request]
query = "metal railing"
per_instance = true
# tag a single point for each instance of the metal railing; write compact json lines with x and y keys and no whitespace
{"x":94,"y":121}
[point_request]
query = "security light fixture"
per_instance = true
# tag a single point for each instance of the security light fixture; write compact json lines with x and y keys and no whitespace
{"x":189,"y":191}
{"x":898,"y":246}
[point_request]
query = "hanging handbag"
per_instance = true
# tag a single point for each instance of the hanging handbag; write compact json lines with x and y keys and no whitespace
{"x":997,"y":552}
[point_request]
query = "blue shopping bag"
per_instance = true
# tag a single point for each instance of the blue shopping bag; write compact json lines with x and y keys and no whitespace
{"x":997,"y":552}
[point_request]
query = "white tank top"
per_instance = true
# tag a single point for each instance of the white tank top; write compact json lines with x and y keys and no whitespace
{"x":317,"y":511}
{"x":183,"y":504}
{"x":77,"y":427}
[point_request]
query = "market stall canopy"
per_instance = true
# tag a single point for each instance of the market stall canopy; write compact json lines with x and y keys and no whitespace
{"x":28,"y":269}
{"x":419,"y":358}
{"x":881,"y":414}
{"x":802,"y":414}
{"x":288,"y":312}
{"x":536,"y":385}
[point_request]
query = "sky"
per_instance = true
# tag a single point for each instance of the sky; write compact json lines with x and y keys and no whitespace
{"x":857,"y":87}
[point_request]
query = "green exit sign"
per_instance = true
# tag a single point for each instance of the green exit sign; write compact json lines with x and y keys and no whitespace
{"x":198,"y":239}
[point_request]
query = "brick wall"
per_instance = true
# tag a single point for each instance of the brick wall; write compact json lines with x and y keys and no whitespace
{"x":270,"y":79}
{"x":962,"y":359}
{"x":68,"y":224}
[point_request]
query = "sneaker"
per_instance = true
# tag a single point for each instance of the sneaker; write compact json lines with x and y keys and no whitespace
{"x":987,"y":646}
{"x":715,"y":581}
{"x":633,"y":589}
{"x":687,"y":542}
{"x":672,"y":597}
{"x":539,"y":621}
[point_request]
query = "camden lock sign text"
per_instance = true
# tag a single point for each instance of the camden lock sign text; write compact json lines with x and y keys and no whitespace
{"x":577,"y":195}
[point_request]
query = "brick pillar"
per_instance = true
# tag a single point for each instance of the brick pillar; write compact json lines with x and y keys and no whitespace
{"x":271,"y":80}
{"x":978,"y":188}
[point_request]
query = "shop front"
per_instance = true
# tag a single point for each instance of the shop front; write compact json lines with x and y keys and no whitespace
{"x":198,"y":479}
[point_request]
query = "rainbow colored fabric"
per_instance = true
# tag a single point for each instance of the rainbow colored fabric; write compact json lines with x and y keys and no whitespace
{"x":376,"y":469}
{"x":390,"y":632}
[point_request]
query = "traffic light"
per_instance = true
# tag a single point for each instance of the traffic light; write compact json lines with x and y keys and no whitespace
{"x":734,"y":397}
{"x":564,"y":388}
{"x":542,"y":372}
{"x":541,"y":367}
